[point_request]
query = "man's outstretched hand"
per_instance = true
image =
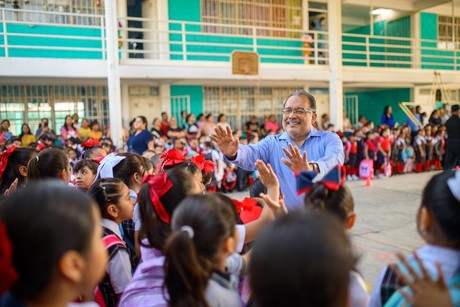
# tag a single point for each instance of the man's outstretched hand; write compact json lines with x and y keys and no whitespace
{"x":228,"y":144}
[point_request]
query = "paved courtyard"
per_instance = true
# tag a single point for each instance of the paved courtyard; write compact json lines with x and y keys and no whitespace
{"x":385,"y":220}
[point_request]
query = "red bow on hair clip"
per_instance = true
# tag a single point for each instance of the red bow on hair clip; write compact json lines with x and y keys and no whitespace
{"x":159,"y":185}
{"x":40,"y":147}
{"x":333,"y":180}
{"x":4,"y":159}
{"x":90,"y":144}
{"x":7,"y":271}
{"x":247,"y":209}
{"x":98,"y":159}
{"x":203,"y":164}
{"x":171,"y":157}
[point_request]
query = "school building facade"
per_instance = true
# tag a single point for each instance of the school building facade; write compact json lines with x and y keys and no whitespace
{"x":112,"y":60}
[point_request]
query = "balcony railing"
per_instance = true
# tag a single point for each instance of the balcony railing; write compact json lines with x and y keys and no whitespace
{"x":83,"y":37}
{"x":51,"y":35}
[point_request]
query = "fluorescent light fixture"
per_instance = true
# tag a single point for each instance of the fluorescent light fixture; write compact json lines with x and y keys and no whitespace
{"x":381,"y":12}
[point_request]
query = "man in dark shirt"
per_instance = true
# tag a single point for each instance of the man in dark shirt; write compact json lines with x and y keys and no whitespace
{"x":453,"y":139}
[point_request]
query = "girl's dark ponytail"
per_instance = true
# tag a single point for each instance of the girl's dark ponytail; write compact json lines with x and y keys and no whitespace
{"x":186,"y":277}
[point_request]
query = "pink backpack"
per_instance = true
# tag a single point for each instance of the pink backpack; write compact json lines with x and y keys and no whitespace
{"x":366,"y":169}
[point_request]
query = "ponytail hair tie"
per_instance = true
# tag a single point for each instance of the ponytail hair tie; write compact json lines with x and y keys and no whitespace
{"x":170,"y":158}
{"x":188,"y":230}
{"x":8,"y":274}
{"x":4,"y":159}
{"x":203,"y":164}
{"x":37,"y":158}
{"x":159,"y":185}
{"x":454,"y":185}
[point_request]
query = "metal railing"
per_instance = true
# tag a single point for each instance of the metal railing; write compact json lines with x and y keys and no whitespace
{"x":189,"y":41}
{"x":44,"y":38}
{"x":145,"y":38}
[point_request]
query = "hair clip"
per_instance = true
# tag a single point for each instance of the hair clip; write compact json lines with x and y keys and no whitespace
{"x":188,"y":230}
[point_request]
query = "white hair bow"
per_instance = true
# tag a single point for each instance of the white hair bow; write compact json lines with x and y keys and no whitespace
{"x":105,"y":168}
{"x":454,"y":185}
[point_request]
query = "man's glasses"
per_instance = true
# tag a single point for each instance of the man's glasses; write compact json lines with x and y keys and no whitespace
{"x":297,"y":111}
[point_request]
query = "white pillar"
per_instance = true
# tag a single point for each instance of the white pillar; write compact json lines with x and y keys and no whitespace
{"x":305,"y":17}
{"x":165,"y":98}
{"x":163,"y":28}
{"x":416,"y":42}
{"x":113,"y":72}
{"x":334,"y":14}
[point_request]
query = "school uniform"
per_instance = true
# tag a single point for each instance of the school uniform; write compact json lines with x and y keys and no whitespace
{"x":429,"y":150}
{"x":118,"y":271}
{"x":400,"y":146}
{"x":147,"y":286}
{"x":357,"y":292}
{"x":419,"y":145}
{"x":351,"y":165}
{"x":388,"y":282}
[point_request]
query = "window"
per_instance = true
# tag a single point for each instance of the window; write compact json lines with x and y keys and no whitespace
{"x":29,"y":104}
{"x":240,"y":103}
{"x":284,"y":14}
{"x":448,"y":32}
{"x":33,"y":11}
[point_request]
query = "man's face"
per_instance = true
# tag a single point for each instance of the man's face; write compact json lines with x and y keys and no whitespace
{"x":298,"y":126}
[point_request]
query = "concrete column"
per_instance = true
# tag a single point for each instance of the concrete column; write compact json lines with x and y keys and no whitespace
{"x":334,"y":16}
{"x":113,"y":72}
{"x":165,"y":98}
{"x":416,"y":42}
{"x":163,"y":28}
{"x":305,"y":17}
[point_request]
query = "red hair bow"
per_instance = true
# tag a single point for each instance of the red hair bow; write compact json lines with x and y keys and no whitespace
{"x":8,"y":273}
{"x":247,"y":209}
{"x":159,"y":185}
{"x":203,"y":164}
{"x":41,"y":146}
{"x":4,"y":159}
{"x":171,"y":157}
{"x":90,"y":144}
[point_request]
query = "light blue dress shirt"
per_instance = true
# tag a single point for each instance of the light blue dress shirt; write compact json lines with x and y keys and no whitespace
{"x":322,"y":147}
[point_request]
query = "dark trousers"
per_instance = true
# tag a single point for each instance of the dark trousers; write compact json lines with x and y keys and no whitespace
{"x":452,"y":154}
{"x":242,"y":179}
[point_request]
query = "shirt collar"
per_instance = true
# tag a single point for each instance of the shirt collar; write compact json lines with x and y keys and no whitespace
{"x":111,"y":225}
{"x":313,"y":133}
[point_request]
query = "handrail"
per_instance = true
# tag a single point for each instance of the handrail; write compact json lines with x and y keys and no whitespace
{"x":52,"y":13}
{"x":409,"y":114}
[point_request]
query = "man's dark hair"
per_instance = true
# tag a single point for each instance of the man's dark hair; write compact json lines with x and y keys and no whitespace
{"x":301,"y":92}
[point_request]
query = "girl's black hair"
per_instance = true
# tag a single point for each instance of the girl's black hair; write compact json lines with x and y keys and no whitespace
{"x":188,"y":263}
{"x":43,"y":224}
{"x":219,"y":117}
{"x":340,"y":202}
{"x":92,"y":165}
{"x":19,"y":157}
{"x":385,"y":109}
{"x":47,"y":164}
{"x":438,"y":198}
{"x":130,"y":165}
{"x":65,"y":123}
{"x":188,"y":165}
{"x":143,"y":119}
{"x":147,"y":164}
{"x":152,"y":228}
{"x":301,"y":259}
{"x":22,"y":131}
{"x":88,"y":153}
{"x":105,"y":192}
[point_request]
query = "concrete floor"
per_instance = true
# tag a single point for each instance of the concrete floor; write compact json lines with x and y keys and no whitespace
{"x":385,"y":220}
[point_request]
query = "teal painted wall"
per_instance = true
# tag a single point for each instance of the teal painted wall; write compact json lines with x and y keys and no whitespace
{"x":371,"y":103}
{"x":196,"y":96}
{"x":395,"y":28}
{"x":432,"y":58}
{"x":77,"y":40}
{"x":209,"y":46}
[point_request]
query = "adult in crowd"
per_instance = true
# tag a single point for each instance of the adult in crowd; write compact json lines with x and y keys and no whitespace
{"x":453,"y":139}
{"x":435,"y":118}
{"x":26,"y":136}
{"x":156,"y":128}
{"x":45,"y":130}
{"x":222,"y":121}
{"x":84,"y":130}
{"x":300,"y":147}
{"x":387,"y":117}
{"x":164,"y":122}
{"x":271,"y":126}
{"x":75,"y":119}
{"x":68,"y":130}
{"x":5,"y":129}
{"x":252,"y":126}
{"x":174,"y":131}
{"x":141,"y":139}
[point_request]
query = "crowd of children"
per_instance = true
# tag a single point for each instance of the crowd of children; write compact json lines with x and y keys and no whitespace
{"x":121,"y":229}
{"x":386,"y":151}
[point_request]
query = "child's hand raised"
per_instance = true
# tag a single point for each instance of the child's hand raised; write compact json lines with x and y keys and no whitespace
{"x":278,"y":207}
{"x":266,"y":175}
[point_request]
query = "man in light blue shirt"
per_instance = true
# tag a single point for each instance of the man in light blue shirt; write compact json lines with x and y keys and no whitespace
{"x":300,"y":147}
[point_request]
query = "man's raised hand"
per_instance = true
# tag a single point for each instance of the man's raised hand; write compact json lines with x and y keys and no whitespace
{"x":297,"y":162}
{"x":228,"y":144}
